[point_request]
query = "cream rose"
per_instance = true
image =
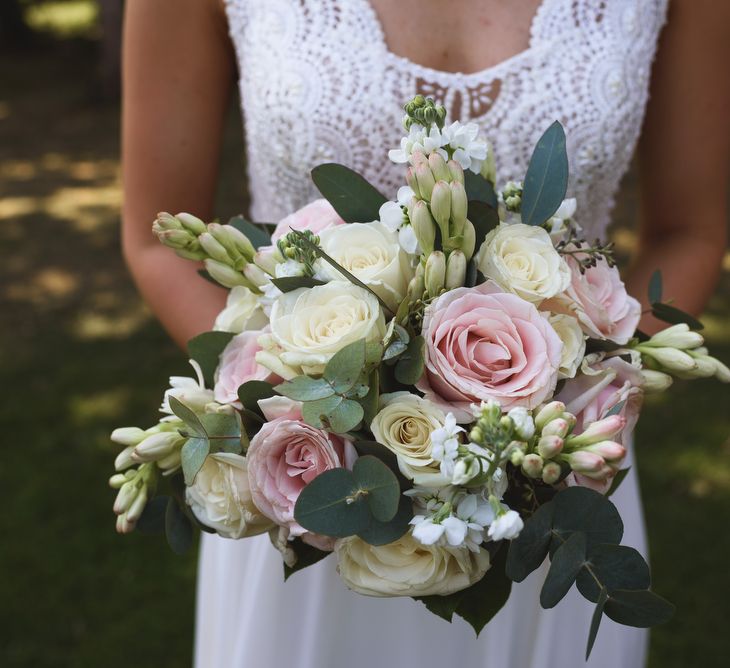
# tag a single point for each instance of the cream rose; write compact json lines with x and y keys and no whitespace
{"x":221,"y":499}
{"x":372,"y":253}
{"x":309,"y":325}
{"x":404,"y":425}
{"x":243,"y":311}
{"x":574,"y":343}
{"x":408,"y":568}
{"x":522,"y":259}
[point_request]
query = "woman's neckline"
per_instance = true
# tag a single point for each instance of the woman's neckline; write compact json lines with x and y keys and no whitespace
{"x":446,"y":75}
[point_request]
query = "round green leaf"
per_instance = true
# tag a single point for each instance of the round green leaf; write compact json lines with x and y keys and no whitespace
{"x":582,"y":509}
{"x":206,"y":349}
{"x":332,"y":505}
{"x":354,"y":199}
{"x":641,"y":608}
{"x":382,"y":533}
{"x":192,"y":457}
{"x":381,"y":485}
{"x":529,"y":549}
{"x":617,"y":567}
{"x":409,"y":368}
{"x":345,"y":417}
{"x":252,"y":391}
{"x":345,"y":367}
{"x":564,"y":567}
{"x":304,"y":388}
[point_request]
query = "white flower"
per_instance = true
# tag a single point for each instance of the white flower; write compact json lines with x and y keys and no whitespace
{"x":558,"y":223}
{"x":418,"y":140}
{"x":524,"y":424}
{"x":242,"y":311}
{"x":309,"y":325}
{"x":522,"y":260}
{"x":221,"y":499}
{"x":404,"y":425}
{"x":289,"y":269}
{"x":507,"y":526}
{"x":408,"y":240}
{"x":190,"y":391}
{"x":426,"y":531}
{"x":445,"y":445}
{"x":395,"y":217}
{"x":406,"y":567}
{"x":371,"y":253}
{"x":574,"y":343}
{"x":467,"y":148}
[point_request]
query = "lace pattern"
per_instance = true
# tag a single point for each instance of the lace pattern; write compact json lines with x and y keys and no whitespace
{"x":319,"y":84}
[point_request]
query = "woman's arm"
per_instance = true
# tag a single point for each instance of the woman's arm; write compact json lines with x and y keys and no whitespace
{"x":684,"y":158}
{"x":177,"y":78}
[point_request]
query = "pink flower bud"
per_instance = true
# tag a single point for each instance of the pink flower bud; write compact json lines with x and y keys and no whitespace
{"x":586,"y":462}
{"x":599,"y":431}
{"x":549,"y":412}
{"x":532,"y":465}
{"x":551,"y":473}
{"x":549,"y":446}
{"x":556,"y":427}
{"x":604,"y":473}
{"x":609,"y":450}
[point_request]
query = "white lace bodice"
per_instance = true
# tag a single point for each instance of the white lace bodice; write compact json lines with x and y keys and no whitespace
{"x":319,"y":84}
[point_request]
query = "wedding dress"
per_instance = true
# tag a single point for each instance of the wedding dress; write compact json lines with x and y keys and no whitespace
{"x":319,"y":84}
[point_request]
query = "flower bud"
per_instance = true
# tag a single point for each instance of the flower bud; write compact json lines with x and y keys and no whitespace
{"x":424,"y":226}
{"x":166,"y":221}
{"x":178,"y":239}
{"x":225,"y":275}
{"x":170,"y":463}
{"x":137,"y":506}
{"x":233,"y":239}
{"x":455,"y":171}
{"x":570,"y":419}
{"x":465,"y":470}
{"x":455,"y":270}
{"x":598,"y":431}
{"x":551,"y":473}
{"x":549,"y":412}
{"x":670,"y":358}
{"x":124,"y":459}
{"x":604,"y":473}
{"x":523,"y":423}
{"x":192,"y":223}
{"x":267,"y":260}
{"x":412,"y":182}
{"x":117,"y":480}
{"x":532,"y":465}
{"x":556,"y":427}
{"x":655,"y":381}
{"x":416,"y":288}
{"x":435,"y":273}
{"x":126,"y":495}
{"x":609,"y":450}
{"x":127,"y":435}
{"x":214,"y":248}
{"x":489,"y":167}
{"x":425,"y":180}
{"x":256,"y":275}
{"x":124,"y":525}
{"x":438,"y":167}
{"x":677,"y":336}
{"x":468,"y":240}
{"x":441,"y":205}
{"x":156,"y":446}
{"x":550,"y":446}
{"x":585,"y":462}
{"x":459,"y":203}
{"x":195,"y":255}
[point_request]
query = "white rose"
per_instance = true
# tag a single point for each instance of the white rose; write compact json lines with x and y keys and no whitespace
{"x":221,"y":498}
{"x":574,"y":343}
{"x":522,"y":259}
{"x":408,"y":568}
{"x":242,"y":311}
{"x":404,"y":425}
{"x":309,"y":325}
{"x":372,"y":253}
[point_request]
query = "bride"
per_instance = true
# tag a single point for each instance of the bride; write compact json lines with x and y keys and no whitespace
{"x":323,"y":81}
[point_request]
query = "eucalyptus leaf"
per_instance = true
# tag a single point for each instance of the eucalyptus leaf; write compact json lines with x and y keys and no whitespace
{"x":289,"y":283}
{"x":152,"y":519}
{"x":564,"y":567}
{"x":345,"y":417}
{"x":596,"y":620}
{"x":655,"y":287}
{"x":192,"y":457}
{"x":582,"y":509}
{"x":307,"y":555}
{"x":187,"y":415}
{"x":206,"y":349}
{"x":383,"y":533}
{"x":546,"y":180}
{"x":345,"y":366}
{"x":333,"y":505}
{"x":384,"y":455}
{"x":617,"y":480}
{"x":256,"y":235}
{"x":371,"y":400}
{"x":616,"y":567}
{"x":354,"y":199}
{"x":252,"y":391}
{"x":641,"y":608}
{"x":409,"y":368}
{"x":484,"y":218}
{"x":479,"y":189}
{"x":442,"y":606}
{"x":315,"y":413}
{"x":675,"y":316}
{"x":529,"y":549}
{"x":178,"y":528}
{"x":224,"y":432}
{"x":471,"y":274}
{"x":381,"y":485}
{"x":304,"y":388}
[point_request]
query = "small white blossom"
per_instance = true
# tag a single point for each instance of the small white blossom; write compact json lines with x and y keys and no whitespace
{"x":418,"y":140}
{"x":507,"y":526}
{"x":408,"y":240}
{"x":445,"y":445}
{"x":468,"y":149}
{"x":394,"y":216}
{"x":190,"y":391}
{"x":524,"y":424}
{"x":289,"y":269}
{"x":425,"y":531}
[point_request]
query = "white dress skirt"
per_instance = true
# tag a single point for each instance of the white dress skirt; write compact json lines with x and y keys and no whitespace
{"x":319,"y":84}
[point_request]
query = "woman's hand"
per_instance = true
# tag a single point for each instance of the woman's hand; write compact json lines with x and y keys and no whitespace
{"x":684,"y":158}
{"x":177,"y":78}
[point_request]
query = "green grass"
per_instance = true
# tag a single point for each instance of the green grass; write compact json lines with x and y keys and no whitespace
{"x":80,"y":356}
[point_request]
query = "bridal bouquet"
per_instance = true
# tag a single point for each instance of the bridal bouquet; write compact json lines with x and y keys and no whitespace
{"x":439,"y":389}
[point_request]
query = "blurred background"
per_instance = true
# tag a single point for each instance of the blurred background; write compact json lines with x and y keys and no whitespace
{"x":80,"y":355}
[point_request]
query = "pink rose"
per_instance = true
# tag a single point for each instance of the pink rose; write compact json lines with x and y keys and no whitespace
{"x":590,"y":396}
{"x":238,"y":365}
{"x":315,"y":216}
{"x":285,"y":456}
{"x":599,"y":300}
{"x":483,"y":344}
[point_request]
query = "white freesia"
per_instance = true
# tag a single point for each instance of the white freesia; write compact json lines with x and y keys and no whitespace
{"x":190,"y":391}
{"x":574,"y":343}
{"x":406,"y":567}
{"x":419,"y":140}
{"x":242,"y":311}
{"x":289,"y":269}
{"x":558,"y":223}
{"x":221,"y":499}
{"x":445,"y":445}
{"x":465,"y":144}
{"x":524,"y":424}
{"x":395,"y":217}
{"x":309,"y":325}
{"x":372,"y":253}
{"x":404,"y":425}
{"x":506,"y":527}
{"x":522,"y":259}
